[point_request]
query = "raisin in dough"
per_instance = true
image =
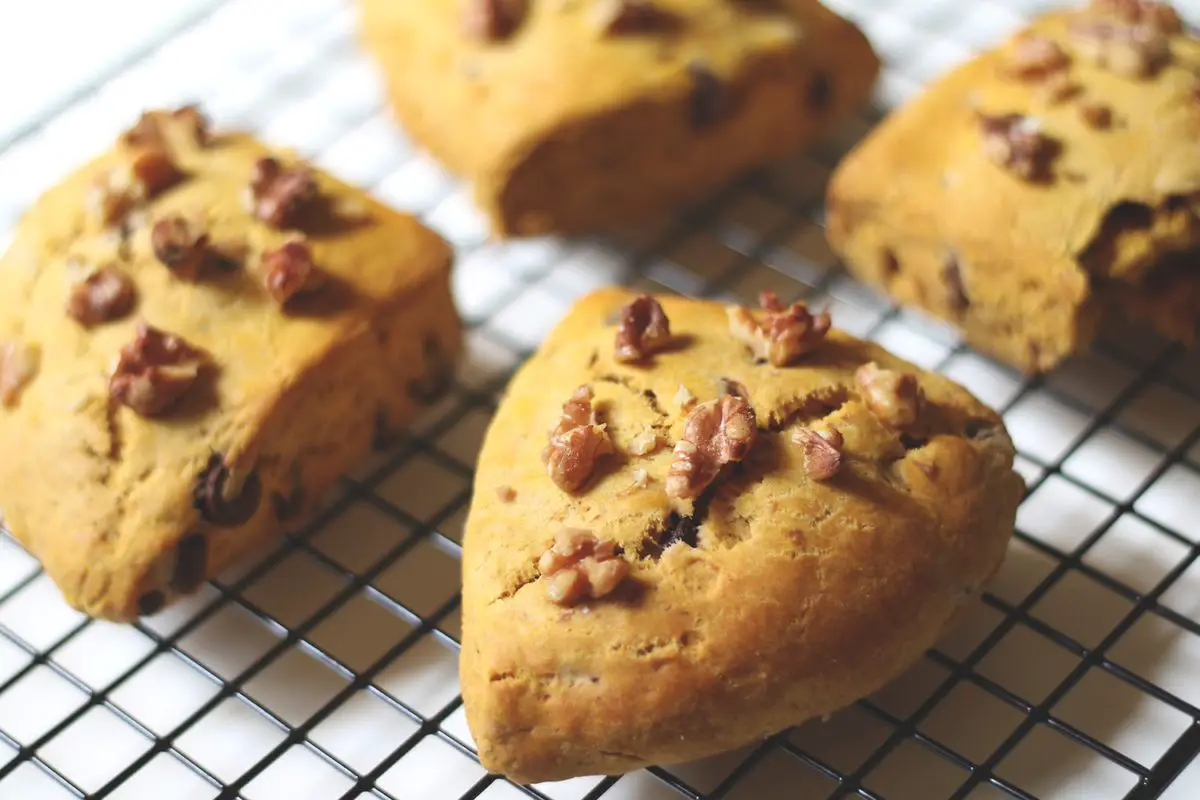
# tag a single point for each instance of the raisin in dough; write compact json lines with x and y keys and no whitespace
{"x":1106,"y":225}
{"x":564,"y":125}
{"x":127,"y":510}
{"x":773,"y":598}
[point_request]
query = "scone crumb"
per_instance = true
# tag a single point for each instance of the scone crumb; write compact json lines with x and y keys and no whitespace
{"x":278,"y":195}
{"x":154,"y":371}
{"x":1035,"y":57}
{"x":644,"y":328}
{"x":1016,"y":142}
{"x":894,"y":397}
{"x":578,"y":566}
{"x":784,"y":334}
{"x":506,"y":493}
{"x":19,"y":364}
{"x":644,"y":443}
{"x":104,"y":295}
{"x":822,"y":451}
{"x":617,"y":17}
{"x":576,"y":442}
{"x":288,"y":270}
{"x":684,"y":398}
{"x":1099,"y":117}
{"x":180,"y":245}
{"x":492,"y":20}
{"x":717,"y":433}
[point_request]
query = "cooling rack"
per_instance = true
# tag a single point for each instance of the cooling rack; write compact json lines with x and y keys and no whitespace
{"x":325,"y":666}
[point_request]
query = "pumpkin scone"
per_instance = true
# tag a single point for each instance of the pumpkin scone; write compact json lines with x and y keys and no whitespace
{"x":572,"y":115}
{"x":198,"y":334}
{"x":738,"y":520}
{"x":1042,"y":189}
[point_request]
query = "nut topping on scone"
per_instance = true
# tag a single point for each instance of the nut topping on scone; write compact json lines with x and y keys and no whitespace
{"x":576,"y":442}
{"x":103,"y":296}
{"x":822,"y":451}
{"x":644,"y":329}
{"x":1157,"y":16}
{"x":1099,"y":117}
{"x":1037,"y":57}
{"x":289,"y":271}
{"x":154,"y":371}
{"x":147,"y":132}
{"x":18,"y":366}
{"x":579,"y":566}
{"x":1017,"y":143}
{"x":717,"y":433}
{"x":179,"y":245}
{"x":223,"y":497}
{"x":278,"y":195}
{"x":147,"y":172}
{"x":644,"y":443}
{"x":616,"y":17}
{"x":492,"y":20}
{"x":1127,"y":37}
{"x":784,"y":335}
{"x":893,"y":397}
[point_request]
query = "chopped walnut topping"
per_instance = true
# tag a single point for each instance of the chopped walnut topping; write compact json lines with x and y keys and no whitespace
{"x":578,"y":566}
{"x":1156,"y":16}
{"x":1017,"y":143}
{"x":492,"y":20}
{"x":289,"y":271}
{"x":641,"y":478}
{"x":1097,"y":116}
{"x":617,"y":17}
{"x":1058,"y":88}
{"x":179,"y":245}
{"x":103,"y":296}
{"x":117,"y":192}
{"x":1128,"y":50}
{"x":19,"y":364}
{"x":644,"y":443}
{"x":194,"y":121}
{"x":644,"y":328}
{"x":717,"y":433}
{"x":822,"y":451}
{"x":1037,"y":57}
{"x":784,"y":335}
{"x":894,"y":397}
{"x":506,"y":494}
{"x":278,"y":196}
{"x":154,"y":371}
{"x":149,"y":130}
{"x":684,"y":398}
{"x":576,"y":442}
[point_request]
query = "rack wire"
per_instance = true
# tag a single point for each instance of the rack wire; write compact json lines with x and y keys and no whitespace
{"x":325,"y":666}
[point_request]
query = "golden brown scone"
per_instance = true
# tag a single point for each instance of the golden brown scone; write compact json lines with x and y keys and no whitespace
{"x":187,"y":362}
{"x":1030,"y":231}
{"x":570,"y":115}
{"x":827,"y":554}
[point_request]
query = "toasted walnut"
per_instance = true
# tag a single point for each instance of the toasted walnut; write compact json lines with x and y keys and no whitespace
{"x":1131,"y":51}
{"x":179,"y":245}
{"x":150,"y":129}
{"x":784,"y":334}
{"x":19,"y":364}
{"x":1058,"y":88}
{"x":684,"y":398}
{"x":492,"y":20}
{"x":579,"y":566}
{"x":1097,"y":116}
{"x":617,"y":17}
{"x":146,"y":173}
{"x":1017,"y":143}
{"x":576,"y":442}
{"x":289,"y":271}
{"x":894,"y":397}
{"x":103,"y":296}
{"x":279,"y":196}
{"x":644,"y":443}
{"x":717,"y":433}
{"x":822,"y":451}
{"x":644,"y":328}
{"x":194,"y":122}
{"x":1157,"y":16}
{"x":1037,"y":57}
{"x":154,"y":371}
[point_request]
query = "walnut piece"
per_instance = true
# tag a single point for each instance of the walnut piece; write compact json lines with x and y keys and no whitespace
{"x":1035,"y":58}
{"x":103,"y":296}
{"x":578,"y":566}
{"x":1157,"y":16}
{"x":717,"y":433}
{"x":179,"y":245}
{"x":19,"y":364}
{"x":1099,"y":117}
{"x":644,"y":328}
{"x":492,"y":20}
{"x":278,"y":196}
{"x":618,"y":17}
{"x":145,"y":174}
{"x":576,"y":442}
{"x":644,"y":443}
{"x":784,"y":334}
{"x":684,"y":398}
{"x":154,"y":371}
{"x":1130,"y":39}
{"x":893,"y":397}
{"x":1017,"y":143}
{"x":506,"y":494}
{"x":150,"y":131}
{"x":822,"y":451}
{"x":289,"y":270}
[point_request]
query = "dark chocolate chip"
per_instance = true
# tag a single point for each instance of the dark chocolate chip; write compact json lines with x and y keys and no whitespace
{"x":956,"y":292}
{"x":710,"y":97}
{"x":191,"y":563}
{"x":151,"y":603}
{"x":820,"y":92}
{"x":209,"y":499}
{"x":680,"y":529}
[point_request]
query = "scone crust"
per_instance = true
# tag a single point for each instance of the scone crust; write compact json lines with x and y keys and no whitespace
{"x":103,"y":496}
{"x":801,"y":597}
{"x":559,"y":111}
{"x":919,"y":194}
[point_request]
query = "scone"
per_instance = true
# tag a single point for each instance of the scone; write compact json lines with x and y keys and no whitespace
{"x":1040,"y":189}
{"x":738,"y":520}
{"x":572,"y":115}
{"x":197,"y":335}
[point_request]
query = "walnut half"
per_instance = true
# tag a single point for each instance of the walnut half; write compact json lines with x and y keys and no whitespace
{"x":278,"y":196}
{"x":103,"y":296}
{"x":822,"y":451}
{"x":576,"y":442}
{"x":579,"y":566}
{"x":644,"y":328}
{"x":716,"y":433}
{"x":154,"y":371}
{"x":893,"y":397}
{"x":783,"y":335}
{"x":289,"y":270}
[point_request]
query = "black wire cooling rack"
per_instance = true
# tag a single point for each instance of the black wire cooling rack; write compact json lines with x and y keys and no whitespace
{"x":325,"y":667}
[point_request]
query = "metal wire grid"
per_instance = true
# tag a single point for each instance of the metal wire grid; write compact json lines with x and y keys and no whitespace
{"x":360,"y":618}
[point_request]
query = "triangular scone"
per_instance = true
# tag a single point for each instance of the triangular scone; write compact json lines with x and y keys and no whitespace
{"x":568,"y":116}
{"x":622,"y":610}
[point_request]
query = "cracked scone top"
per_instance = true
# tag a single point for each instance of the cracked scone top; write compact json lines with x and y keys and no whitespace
{"x":797,"y":515}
